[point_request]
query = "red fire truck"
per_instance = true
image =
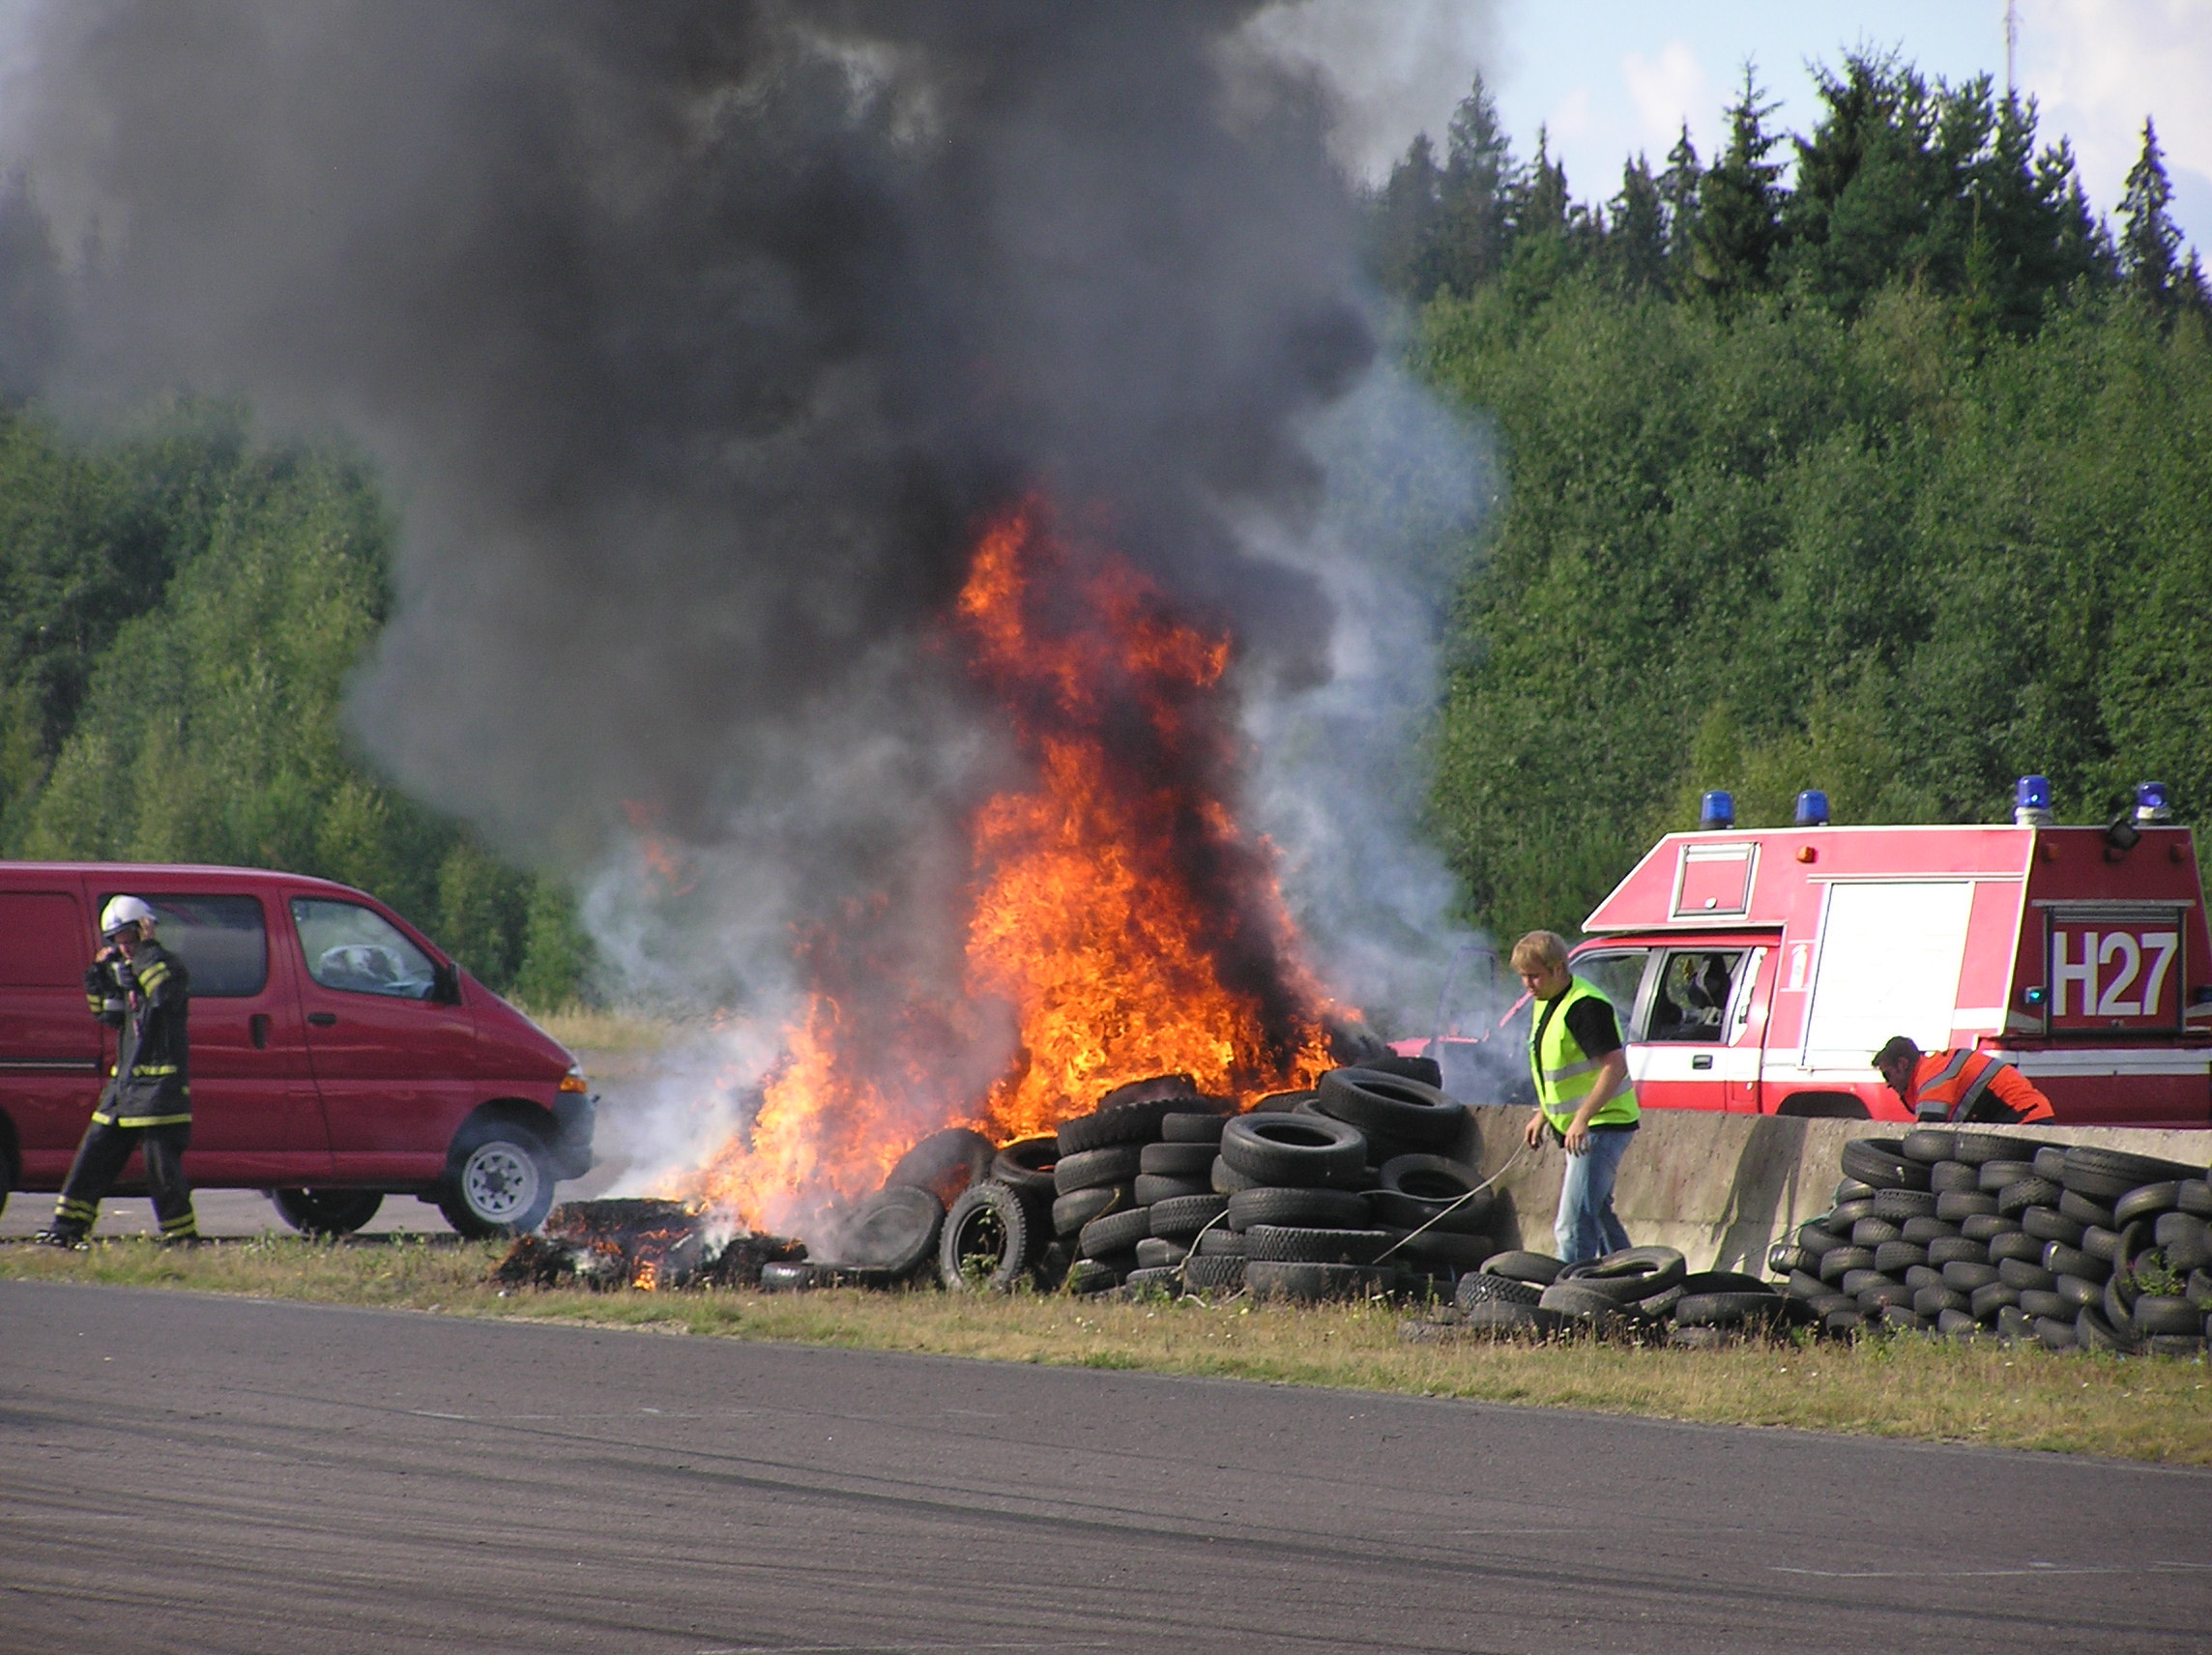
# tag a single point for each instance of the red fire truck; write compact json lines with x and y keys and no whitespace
{"x":1758,"y":971}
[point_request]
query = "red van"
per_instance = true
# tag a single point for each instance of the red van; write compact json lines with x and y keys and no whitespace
{"x":336,"y":1055}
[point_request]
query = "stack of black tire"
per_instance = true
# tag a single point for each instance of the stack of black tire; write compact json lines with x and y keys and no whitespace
{"x":1972,"y":1233}
{"x":1641,"y":1293}
{"x":1131,"y":1188}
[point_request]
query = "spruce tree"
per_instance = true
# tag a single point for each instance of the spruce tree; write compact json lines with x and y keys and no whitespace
{"x":1634,"y":243}
{"x":1478,"y":184}
{"x":1408,"y":215}
{"x":1740,"y":222}
{"x":2149,"y":238}
{"x":1679,"y":188}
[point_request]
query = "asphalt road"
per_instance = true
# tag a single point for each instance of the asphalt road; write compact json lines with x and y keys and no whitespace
{"x":192,"y":1473}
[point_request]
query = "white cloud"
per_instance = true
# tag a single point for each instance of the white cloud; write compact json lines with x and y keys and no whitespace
{"x":1669,"y":89}
{"x":2098,"y":66}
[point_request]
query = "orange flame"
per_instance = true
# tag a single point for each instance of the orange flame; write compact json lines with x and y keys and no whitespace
{"x":1115,"y":910}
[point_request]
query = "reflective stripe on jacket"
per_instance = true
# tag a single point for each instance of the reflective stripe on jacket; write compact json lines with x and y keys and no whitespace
{"x":151,"y":1082}
{"x":1947,"y":1085}
{"x":1563,"y":1072}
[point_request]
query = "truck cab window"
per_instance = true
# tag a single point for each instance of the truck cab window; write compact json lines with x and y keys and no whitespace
{"x":357,"y":950}
{"x":1617,"y":974}
{"x":1690,"y":1000}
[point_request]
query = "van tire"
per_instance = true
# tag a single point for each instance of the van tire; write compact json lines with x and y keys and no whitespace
{"x":498,"y":1181}
{"x":327,"y":1211}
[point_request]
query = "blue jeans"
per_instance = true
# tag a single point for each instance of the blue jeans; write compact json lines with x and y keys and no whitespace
{"x":1587,"y":1227}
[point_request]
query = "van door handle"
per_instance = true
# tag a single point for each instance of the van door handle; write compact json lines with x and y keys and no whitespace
{"x":257,"y":1026}
{"x":322,"y":1019}
{"x":1703,"y":1060}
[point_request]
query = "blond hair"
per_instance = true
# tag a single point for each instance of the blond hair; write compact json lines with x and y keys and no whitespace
{"x":1540,"y":950}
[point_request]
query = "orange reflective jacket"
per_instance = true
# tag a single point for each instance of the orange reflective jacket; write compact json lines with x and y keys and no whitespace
{"x":1948,"y":1085}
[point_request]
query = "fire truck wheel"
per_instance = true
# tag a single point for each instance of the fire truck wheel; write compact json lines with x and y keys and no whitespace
{"x":991,"y":1237}
{"x":1027,"y":1165}
{"x":1073,"y":1210}
{"x":326,"y":1212}
{"x":1096,"y":1169}
{"x":1295,"y":1150}
{"x":1881,"y":1163}
{"x":497,"y":1181}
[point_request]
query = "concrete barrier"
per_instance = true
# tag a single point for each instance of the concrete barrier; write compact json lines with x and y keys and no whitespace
{"x":1722,"y":1188}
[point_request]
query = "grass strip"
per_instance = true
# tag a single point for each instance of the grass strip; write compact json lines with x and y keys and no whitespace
{"x":1925,"y":1389}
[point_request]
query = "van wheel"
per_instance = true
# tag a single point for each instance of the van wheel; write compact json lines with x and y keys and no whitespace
{"x":1824,"y":1106}
{"x":497,"y":1181}
{"x":326,"y":1212}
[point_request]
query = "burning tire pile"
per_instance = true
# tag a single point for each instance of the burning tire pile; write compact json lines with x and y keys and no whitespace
{"x":1978,"y":1234}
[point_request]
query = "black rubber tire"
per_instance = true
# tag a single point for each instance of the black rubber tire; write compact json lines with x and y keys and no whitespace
{"x":2172,"y":1344}
{"x":1842,"y":1260}
{"x":2049,"y":1224}
{"x":1957,"y":1324}
{"x":1097,"y":1169}
{"x":1788,"y":1259}
{"x":2165,"y":1313}
{"x":991,"y":1239}
{"x":1027,"y":1165}
{"x":1928,"y":1231}
{"x":2100,"y":1244}
{"x":2195,"y":1195}
{"x":2200,"y":1289}
{"x":1227,"y":1180}
{"x":1583,"y":1302}
{"x":2045,"y":1301}
{"x":1934,"y":1300}
{"x":1213,"y":1272}
{"x":894,"y":1231}
{"x":1156,"y":1254}
{"x":1851,"y":1189}
{"x":1988,"y":1300}
{"x":1876,"y":1233}
{"x":1899,"y":1204}
{"x":327,"y":1211}
{"x":1929,"y":1144}
{"x":1481,"y":1286}
{"x":1945,"y":1177}
{"x":1192,"y":1127}
{"x":2186,"y":1241}
{"x":1975,"y":1148}
{"x":1894,"y":1258}
{"x":1313,"y":1208}
{"x":1088,"y":1276}
{"x":2056,"y":1335}
{"x":2020,"y":1273}
{"x":1808,"y":1288}
{"x":783,"y":1276}
{"x":1295,"y":1150}
{"x":1956,"y":1206}
{"x":2050,"y":1162}
{"x":1882,"y":1292}
{"x":1764,"y":1309}
{"x":1881,"y":1162}
{"x":1996,"y":1175}
{"x":1391,"y":1106}
{"x":1957,"y":1250}
{"x":1631,"y":1273}
{"x":1071,"y":1211}
{"x":1414,"y":1190}
{"x":499,"y":1180}
{"x":1152,"y":1282}
{"x":2084,"y":1212}
{"x":2147,"y":1200}
{"x":2092,"y":1332}
{"x":1427,"y":1070}
{"x":1278,"y":1280}
{"x":1843,"y":1323}
{"x":1503,"y":1319}
{"x":1846,"y":1214}
{"x":1966,"y":1276}
{"x":1180,"y":1217}
{"x":1446,"y":1249}
{"x":1539,"y":1269}
{"x":1818,"y":1238}
{"x":1121,"y":1123}
{"x":1987,"y":1227}
{"x":1151,"y":1188}
{"x":2080,"y":1290}
{"x":1176,"y":1160}
{"x":1115,"y":1233}
{"x":2017,"y":1198}
{"x":1286,"y":1244}
{"x":2064,"y":1261}
{"x":944,"y":1163}
{"x":2089,"y":1162}
{"x":1221,"y":1243}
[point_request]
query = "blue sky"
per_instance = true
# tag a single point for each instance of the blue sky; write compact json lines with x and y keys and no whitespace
{"x":1609,"y":77}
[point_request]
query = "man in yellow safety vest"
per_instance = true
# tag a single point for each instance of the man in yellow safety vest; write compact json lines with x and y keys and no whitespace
{"x":1583,"y":1094}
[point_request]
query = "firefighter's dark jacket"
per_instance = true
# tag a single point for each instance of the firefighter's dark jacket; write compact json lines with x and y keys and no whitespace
{"x":146,"y":999}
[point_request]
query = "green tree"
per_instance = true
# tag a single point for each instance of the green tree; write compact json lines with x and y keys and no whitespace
{"x":1634,"y":243}
{"x":1475,"y":195}
{"x":1739,"y":203}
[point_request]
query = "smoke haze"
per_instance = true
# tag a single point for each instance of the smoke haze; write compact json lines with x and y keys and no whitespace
{"x":697,"y":339}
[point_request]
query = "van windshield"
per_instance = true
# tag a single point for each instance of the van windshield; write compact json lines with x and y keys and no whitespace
{"x":357,"y":950}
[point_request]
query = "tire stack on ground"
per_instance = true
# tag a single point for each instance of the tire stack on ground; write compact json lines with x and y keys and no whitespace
{"x":1972,"y":1233}
{"x":1132,"y":1187}
{"x":1639,"y":1292}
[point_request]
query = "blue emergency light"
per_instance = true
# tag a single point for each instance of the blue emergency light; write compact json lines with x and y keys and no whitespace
{"x":2153,"y":803}
{"x":2031,"y":793}
{"x":1812,"y":808}
{"x":1716,"y":810}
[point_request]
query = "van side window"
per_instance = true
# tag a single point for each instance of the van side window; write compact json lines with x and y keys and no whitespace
{"x":1618,"y":974}
{"x":44,"y":941}
{"x":223,"y":941}
{"x":1691,"y":999}
{"x":357,"y":950}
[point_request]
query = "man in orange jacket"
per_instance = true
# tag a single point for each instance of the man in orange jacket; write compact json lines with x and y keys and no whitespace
{"x":1961,"y":1085}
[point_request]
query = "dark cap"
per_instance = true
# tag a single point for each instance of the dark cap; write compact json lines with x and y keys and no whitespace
{"x":1898,"y":1046}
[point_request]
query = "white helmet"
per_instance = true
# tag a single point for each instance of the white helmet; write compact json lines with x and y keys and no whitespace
{"x":124,"y":911}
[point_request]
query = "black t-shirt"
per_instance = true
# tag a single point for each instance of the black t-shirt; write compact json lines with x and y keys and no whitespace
{"x":1589,"y":1020}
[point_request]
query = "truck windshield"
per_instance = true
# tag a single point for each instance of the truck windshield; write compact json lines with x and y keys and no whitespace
{"x":1691,"y":998}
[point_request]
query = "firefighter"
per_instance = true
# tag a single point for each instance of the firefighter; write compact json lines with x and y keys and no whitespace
{"x":137,"y":987}
{"x":1959,"y":1085}
{"x":1583,"y":1096}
